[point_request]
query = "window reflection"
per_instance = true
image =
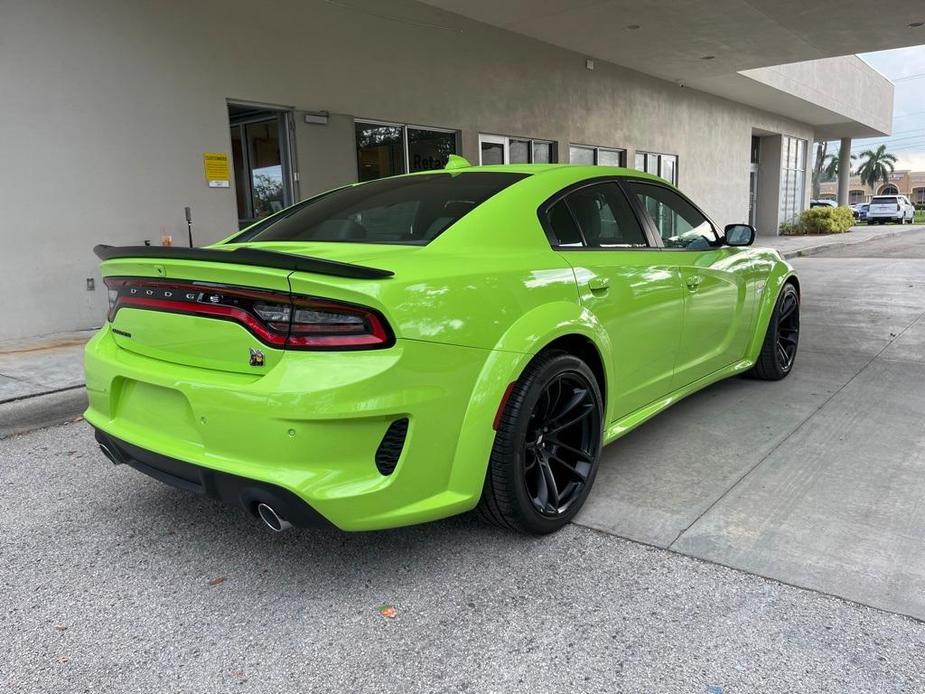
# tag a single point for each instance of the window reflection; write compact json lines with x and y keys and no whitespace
{"x":380,"y":151}
{"x":679,"y":223}
{"x":492,"y":153}
{"x":429,"y":149}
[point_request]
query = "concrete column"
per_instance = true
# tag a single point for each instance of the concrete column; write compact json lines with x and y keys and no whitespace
{"x":844,"y":170}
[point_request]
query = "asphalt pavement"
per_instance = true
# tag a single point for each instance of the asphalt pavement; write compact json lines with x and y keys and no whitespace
{"x":113,"y":582}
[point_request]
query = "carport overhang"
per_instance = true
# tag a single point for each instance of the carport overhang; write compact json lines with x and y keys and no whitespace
{"x":751,"y":51}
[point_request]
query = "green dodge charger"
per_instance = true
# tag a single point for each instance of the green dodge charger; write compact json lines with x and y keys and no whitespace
{"x":406,"y":349}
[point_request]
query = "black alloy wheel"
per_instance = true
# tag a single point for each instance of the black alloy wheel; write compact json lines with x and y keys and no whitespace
{"x":788,"y":329}
{"x":547,"y":446}
{"x":779,"y":349}
{"x":561,"y":443}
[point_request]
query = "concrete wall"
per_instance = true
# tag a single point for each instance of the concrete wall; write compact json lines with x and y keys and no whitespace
{"x":108,"y":106}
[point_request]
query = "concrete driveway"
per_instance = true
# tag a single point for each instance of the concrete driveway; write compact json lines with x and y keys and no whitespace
{"x":818,"y":480}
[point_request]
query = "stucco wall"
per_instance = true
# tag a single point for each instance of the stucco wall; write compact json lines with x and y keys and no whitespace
{"x":108,"y":106}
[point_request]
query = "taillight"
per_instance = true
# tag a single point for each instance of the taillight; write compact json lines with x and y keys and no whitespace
{"x":319,"y":323}
{"x":285,"y":321}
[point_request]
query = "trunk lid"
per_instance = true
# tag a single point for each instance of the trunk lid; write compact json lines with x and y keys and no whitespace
{"x":206,"y":342}
{"x":157,"y":294}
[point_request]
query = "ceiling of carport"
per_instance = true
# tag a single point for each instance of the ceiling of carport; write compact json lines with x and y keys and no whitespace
{"x":675,"y":35}
{"x":707,"y":44}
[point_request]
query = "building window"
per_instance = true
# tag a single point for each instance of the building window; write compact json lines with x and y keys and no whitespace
{"x":918,"y":196}
{"x":664,"y":165}
{"x":755,"y":149}
{"x":389,"y":149}
{"x":889,"y":189}
{"x":855,"y":197}
{"x":792,"y":177}
{"x":429,"y":149}
{"x":501,"y":149}
{"x":600,"y":156}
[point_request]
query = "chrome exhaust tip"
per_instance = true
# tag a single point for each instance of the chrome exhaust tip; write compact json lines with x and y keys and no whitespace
{"x":272,"y":519}
{"x":109,"y":454}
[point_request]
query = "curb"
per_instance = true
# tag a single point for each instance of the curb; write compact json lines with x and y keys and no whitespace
{"x":40,"y":411}
{"x":814,"y":250}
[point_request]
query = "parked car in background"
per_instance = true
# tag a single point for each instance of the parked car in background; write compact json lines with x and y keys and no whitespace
{"x":823,"y":203}
{"x":860,"y":211}
{"x":890,"y":208}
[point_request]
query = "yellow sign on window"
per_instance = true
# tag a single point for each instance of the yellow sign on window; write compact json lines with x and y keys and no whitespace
{"x":216,"y":167}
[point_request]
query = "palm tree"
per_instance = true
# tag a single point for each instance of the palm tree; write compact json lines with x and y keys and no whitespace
{"x":877,"y":166}
{"x":821,"y":148}
{"x":830,"y":166}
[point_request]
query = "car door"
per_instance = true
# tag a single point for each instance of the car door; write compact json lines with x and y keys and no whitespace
{"x":718,"y":288}
{"x":624,"y":282}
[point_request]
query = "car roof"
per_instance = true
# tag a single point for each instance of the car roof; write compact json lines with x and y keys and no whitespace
{"x":579,"y":171}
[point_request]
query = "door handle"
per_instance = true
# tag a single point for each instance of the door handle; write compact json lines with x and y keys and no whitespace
{"x":693,"y":282}
{"x":599,"y":284}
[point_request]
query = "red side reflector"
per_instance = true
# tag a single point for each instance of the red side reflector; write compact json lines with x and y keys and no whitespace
{"x":503,"y":404}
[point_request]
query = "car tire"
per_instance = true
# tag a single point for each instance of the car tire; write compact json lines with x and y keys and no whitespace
{"x":779,"y":349}
{"x":535,"y":483}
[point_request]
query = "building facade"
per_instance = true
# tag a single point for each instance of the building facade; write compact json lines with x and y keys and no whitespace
{"x":908,"y":183}
{"x":118,"y":116}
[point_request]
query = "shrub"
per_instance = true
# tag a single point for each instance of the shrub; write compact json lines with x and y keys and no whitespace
{"x":826,"y":220}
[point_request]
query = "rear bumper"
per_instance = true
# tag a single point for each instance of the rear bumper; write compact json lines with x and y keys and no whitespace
{"x":233,"y":490}
{"x":310,"y":426}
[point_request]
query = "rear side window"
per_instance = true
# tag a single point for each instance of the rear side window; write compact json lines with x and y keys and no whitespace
{"x":596,"y":216}
{"x":401,"y":210}
{"x":605,"y":217}
{"x":563,"y":226}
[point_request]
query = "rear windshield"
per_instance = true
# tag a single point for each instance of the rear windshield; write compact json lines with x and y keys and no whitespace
{"x":405,"y":209}
{"x":884,"y":200}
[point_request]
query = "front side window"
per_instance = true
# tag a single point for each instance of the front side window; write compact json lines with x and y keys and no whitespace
{"x":602,"y":214}
{"x":679,"y":223}
{"x":405,"y":210}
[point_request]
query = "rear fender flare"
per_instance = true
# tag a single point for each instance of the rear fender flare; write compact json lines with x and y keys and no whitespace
{"x":517,"y":347}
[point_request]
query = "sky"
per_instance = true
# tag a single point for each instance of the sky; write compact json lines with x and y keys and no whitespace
{"x":905,"y":67}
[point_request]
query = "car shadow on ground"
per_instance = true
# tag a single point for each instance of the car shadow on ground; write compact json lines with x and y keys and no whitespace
{"x":170,"y":520}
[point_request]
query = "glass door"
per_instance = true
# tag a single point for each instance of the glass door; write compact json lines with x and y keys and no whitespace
{"x":260,"y":152}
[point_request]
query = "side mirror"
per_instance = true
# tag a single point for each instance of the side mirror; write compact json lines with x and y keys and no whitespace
{"x":740,"y":235}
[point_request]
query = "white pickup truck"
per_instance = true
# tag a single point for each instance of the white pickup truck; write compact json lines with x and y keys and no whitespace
{"x":890,"y":208}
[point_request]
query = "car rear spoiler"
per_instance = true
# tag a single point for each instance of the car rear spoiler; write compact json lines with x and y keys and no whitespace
{"x":246,"y":256}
